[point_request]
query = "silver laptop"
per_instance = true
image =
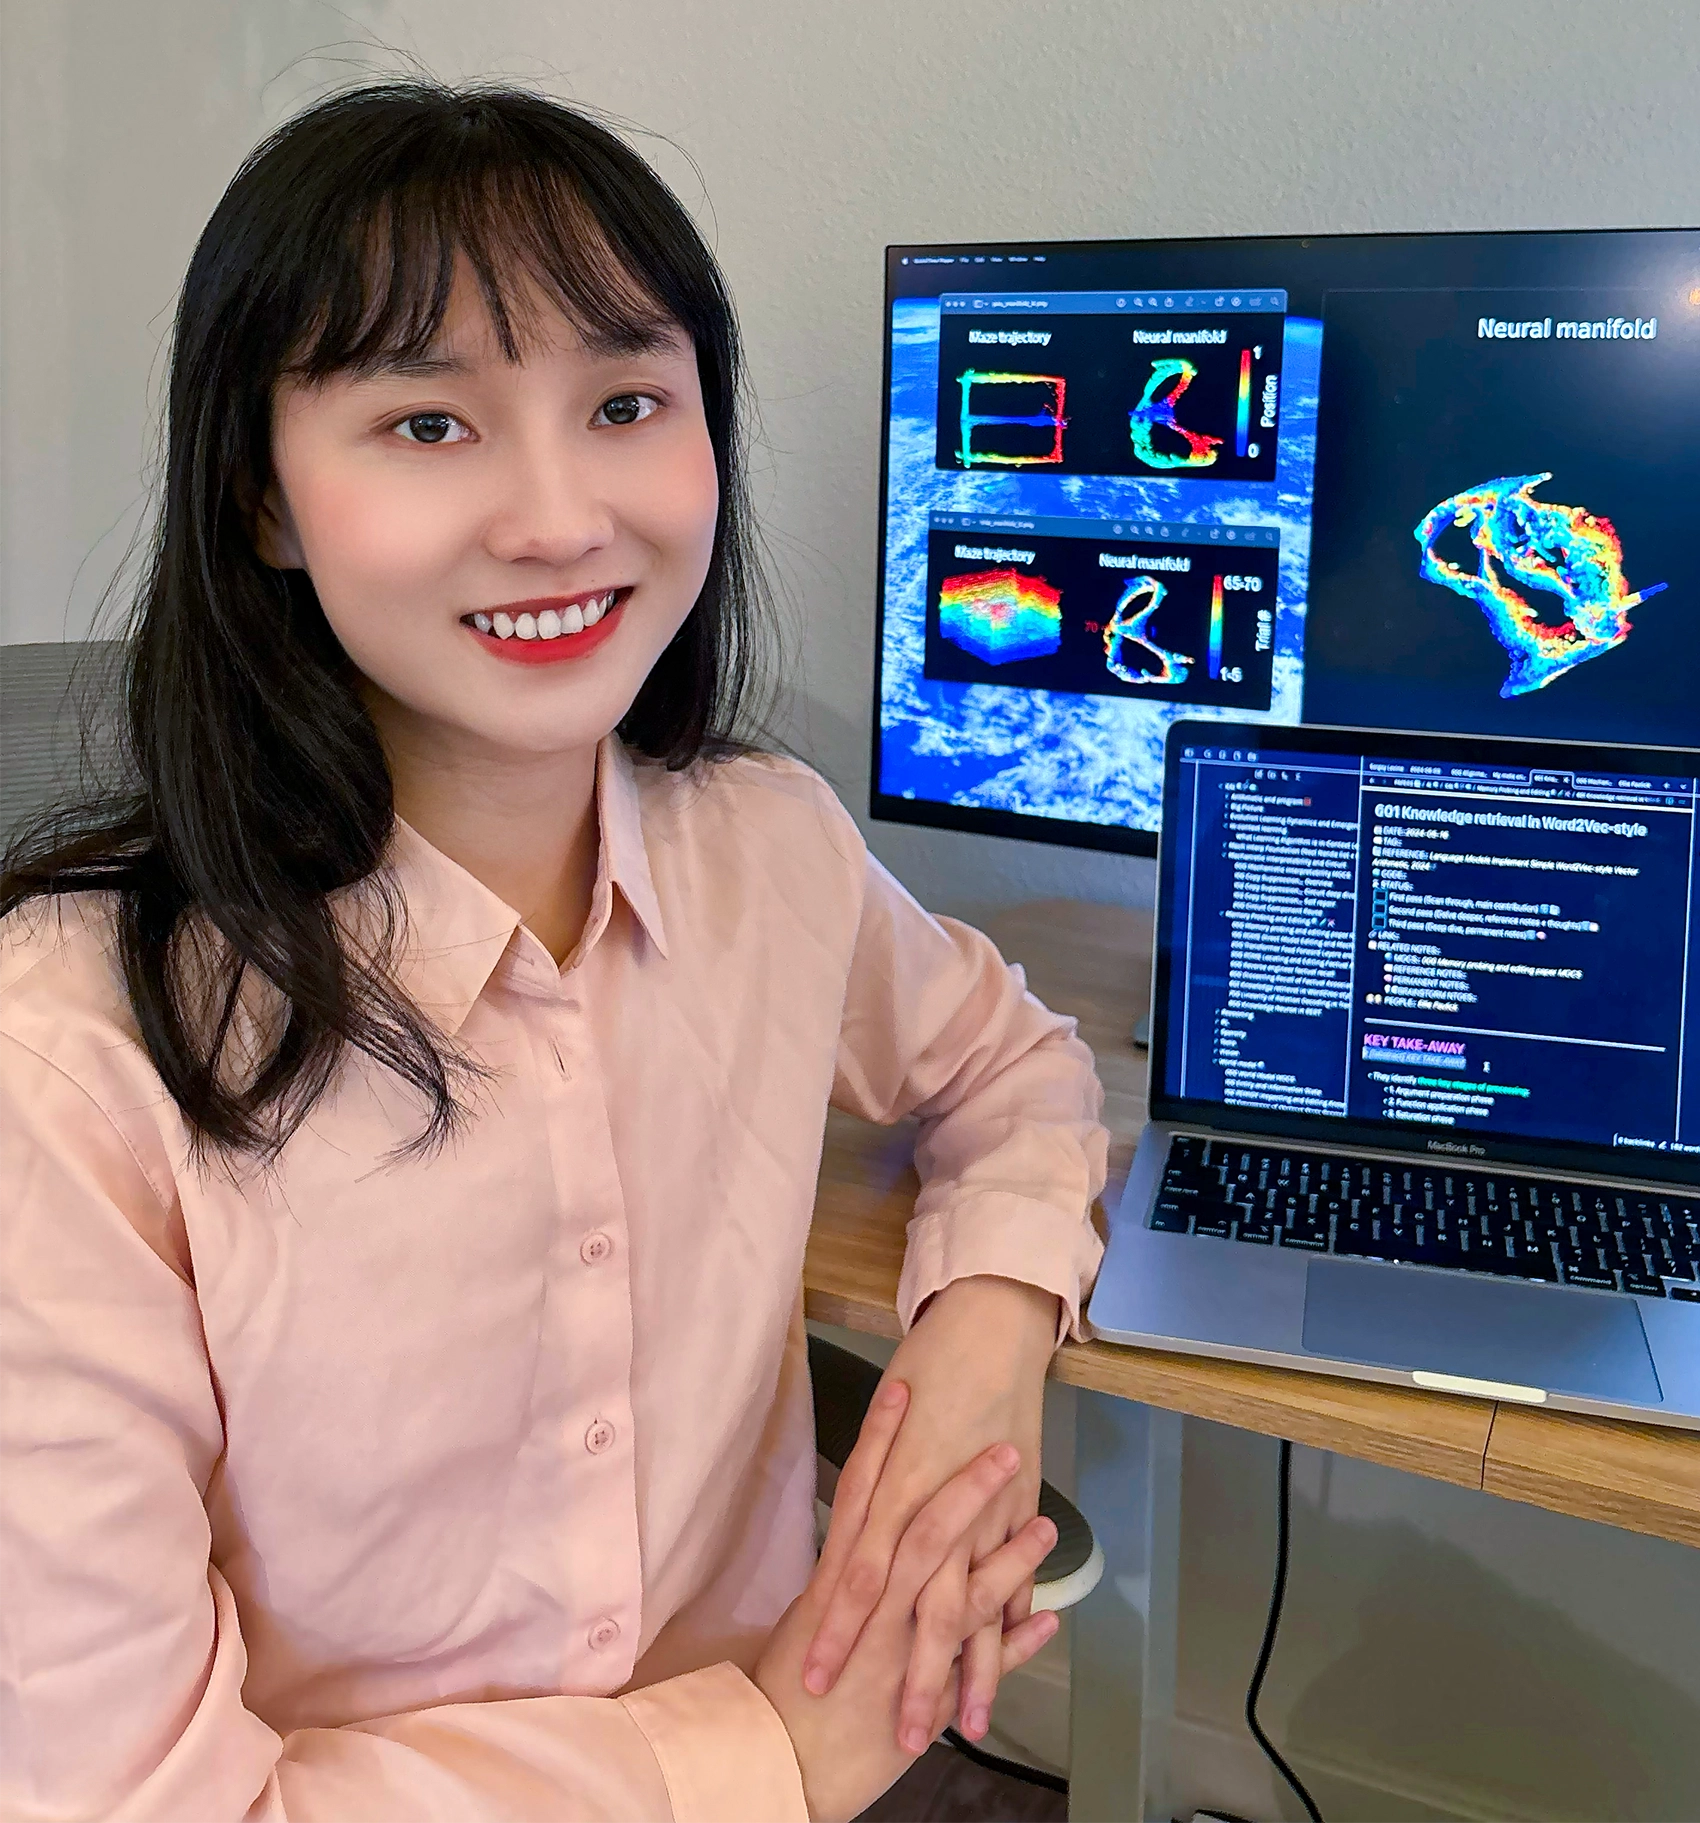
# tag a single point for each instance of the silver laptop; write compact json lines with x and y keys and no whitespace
{"x":1425,"y":1067}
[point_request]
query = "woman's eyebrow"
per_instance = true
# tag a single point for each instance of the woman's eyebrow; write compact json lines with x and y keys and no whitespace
{"x":414,"y":366}
{"x":613,"y":344}
{"x":635,"y":338}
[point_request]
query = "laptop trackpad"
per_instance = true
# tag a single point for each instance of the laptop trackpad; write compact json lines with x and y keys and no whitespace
{"x":1483,"y":1329}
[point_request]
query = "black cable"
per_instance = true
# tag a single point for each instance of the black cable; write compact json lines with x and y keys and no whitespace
{"x":995,"y":1762}
{"x":1032,"y":1775}
{"x":1276,"y":1596}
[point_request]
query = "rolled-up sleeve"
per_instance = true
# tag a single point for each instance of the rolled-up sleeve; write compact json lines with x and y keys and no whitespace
{"x":1011,"y":1153}
{"x":121,"y":1654}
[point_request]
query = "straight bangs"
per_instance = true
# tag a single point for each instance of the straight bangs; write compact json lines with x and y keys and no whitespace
{"x":520,"y":225}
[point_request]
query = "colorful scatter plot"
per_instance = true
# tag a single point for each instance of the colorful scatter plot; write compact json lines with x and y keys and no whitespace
{"x":1052,"y":420}
{"x":1564,"y":551}
{"x":1001,"y":615}
{"x":1130,"y":625}
{"x":1156,"y":410}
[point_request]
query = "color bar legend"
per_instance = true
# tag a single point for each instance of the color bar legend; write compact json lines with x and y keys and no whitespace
{"x":1242,"y":419}
{"x":1215,"y":660}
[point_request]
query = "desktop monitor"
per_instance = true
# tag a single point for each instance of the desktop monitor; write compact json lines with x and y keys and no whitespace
{"x":1440,"y":481}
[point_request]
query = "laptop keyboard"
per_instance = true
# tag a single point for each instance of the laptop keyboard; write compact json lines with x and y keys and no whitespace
{"x":1432,"y":1215}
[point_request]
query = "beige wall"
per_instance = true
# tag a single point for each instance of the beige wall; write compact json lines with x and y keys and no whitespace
{"x":1500,"y":1661}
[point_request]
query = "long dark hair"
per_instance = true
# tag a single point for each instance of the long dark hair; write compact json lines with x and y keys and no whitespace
{"x":258,"y":790}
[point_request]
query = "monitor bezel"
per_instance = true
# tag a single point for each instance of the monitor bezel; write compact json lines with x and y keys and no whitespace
{"x":1412,"y":1138}
{"x":1029,"y":826}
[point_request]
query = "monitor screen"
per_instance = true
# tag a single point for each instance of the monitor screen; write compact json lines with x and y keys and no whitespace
{"x":1491,"y":945}
{"x":1415,"y":481}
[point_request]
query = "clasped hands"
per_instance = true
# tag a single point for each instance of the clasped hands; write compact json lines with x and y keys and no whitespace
{"x":922,"y":1597}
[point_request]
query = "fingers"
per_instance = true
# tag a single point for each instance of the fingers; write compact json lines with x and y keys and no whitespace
{"x":982,"y":1661}
{"x":860,"y":1476}
{"x":900,"y":1572}
{"x":1021,"y":1643}
{"x":938,"y":1639}
{"x":848,"y":1585}
{"x":1006,"y":1576}
{"x":1019,"y":1605}
{"x":957,"y":1607}
{"x":935,"y":1531}
{"x":997,"y":1584}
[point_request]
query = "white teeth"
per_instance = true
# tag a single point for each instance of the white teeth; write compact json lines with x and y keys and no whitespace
{"x":552,"y":623}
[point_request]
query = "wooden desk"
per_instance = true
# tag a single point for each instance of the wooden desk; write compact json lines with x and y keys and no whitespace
{"x":1093,"y":961}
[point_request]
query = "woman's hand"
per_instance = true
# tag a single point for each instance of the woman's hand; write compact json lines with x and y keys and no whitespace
{"x":975,"y":1364}
{"x":847,"y":1742}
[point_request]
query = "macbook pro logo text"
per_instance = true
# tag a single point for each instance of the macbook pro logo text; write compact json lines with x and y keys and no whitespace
{"x":1452,"y":1145}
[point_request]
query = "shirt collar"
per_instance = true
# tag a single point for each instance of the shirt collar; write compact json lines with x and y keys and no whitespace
{"x":457,"y":929}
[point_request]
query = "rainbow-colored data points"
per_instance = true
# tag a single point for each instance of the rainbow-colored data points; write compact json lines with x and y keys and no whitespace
{"x":1001,"y":615}
{"x":1130,"y":625}
{"x":1156,"y":408}
{"x":1052,"y":420}
{"x":1563,"y":550}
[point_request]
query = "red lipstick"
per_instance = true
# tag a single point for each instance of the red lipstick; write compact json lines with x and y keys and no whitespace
{"x":559,"y":650}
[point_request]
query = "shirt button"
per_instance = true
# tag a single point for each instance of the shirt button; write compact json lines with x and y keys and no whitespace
{"x":595,"y":1248}
{"x":596,"y":1440}
{"x":603,"y":1635}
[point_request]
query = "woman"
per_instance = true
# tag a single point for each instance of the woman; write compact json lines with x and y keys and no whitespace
{"x":413,"y":1091}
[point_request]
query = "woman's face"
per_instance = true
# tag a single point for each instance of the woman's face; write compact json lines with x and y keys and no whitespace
{"x":504,"y":549}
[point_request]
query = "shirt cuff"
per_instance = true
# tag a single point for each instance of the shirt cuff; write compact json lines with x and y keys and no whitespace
{"x":1003,"y":1236}
{"x":722,"y":1748}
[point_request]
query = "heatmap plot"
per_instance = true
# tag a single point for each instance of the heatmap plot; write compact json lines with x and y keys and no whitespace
{"x":1001,"y":615}
{"x":1156,"y":410}
{"x":1051,"y":420}
{"x":1130,"y":625}
{"x":1564,"y":551}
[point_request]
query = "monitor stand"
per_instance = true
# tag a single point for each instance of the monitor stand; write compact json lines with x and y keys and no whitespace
{"x":1142,"y":1031}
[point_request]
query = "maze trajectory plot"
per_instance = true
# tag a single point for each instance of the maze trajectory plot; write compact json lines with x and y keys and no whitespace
{"x":1563,"y":550}
{"x":1130,"y":625}
{"x":1052,"y":420}
{"x":1001,"y":615}
{"x":1156,"y":409}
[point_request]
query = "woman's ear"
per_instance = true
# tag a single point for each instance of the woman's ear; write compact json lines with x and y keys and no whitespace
{"x":272,"y":527}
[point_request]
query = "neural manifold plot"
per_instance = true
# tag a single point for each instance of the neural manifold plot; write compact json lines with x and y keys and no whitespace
{"x":1562,"y":551}
{"x":1130,"y":626}
{"x":1156,"y":411}
{"x":1001,"y":615}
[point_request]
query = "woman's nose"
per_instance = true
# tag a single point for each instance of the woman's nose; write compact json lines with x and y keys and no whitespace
{"x":549,"y":509}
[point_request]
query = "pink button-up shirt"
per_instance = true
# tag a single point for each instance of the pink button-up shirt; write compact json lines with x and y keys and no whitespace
{"x":468,"y":1488}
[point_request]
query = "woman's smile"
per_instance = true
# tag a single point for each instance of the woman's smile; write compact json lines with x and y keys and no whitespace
{"x":550,"y":628}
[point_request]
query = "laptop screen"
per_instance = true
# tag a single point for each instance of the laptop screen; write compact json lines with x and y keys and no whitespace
{"x":1451,"y":944}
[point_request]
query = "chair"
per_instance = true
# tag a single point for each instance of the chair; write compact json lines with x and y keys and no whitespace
{"x":52,"y":697}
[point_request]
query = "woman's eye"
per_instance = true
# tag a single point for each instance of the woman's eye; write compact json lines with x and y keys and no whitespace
{"x":433,"y":427}
{"x":626,"y":408}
